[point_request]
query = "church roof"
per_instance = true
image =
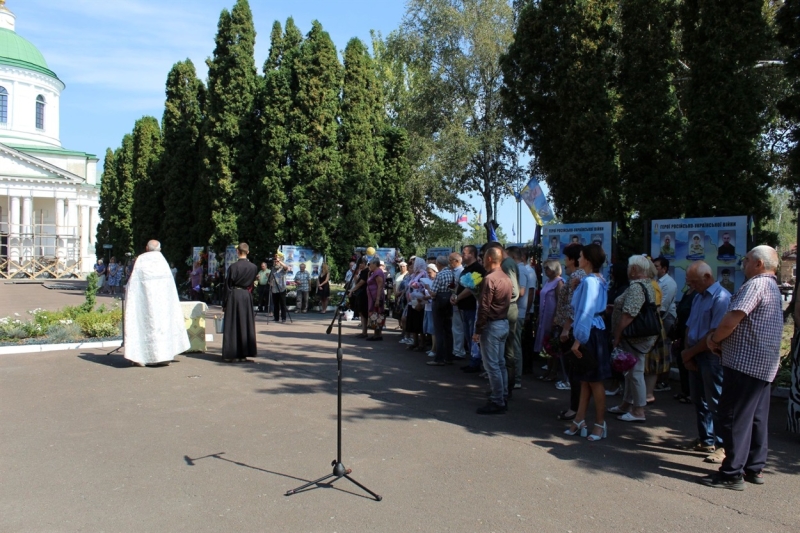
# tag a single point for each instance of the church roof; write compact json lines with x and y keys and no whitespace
{"x":17,"y":51}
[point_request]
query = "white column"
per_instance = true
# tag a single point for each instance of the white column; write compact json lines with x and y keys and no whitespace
{"x":59,"y":251}
{"x":94,"y":220}
{"x":86,"y":264}
{"x":26,"y":242}
{"x":59,"y":215}
{"x":13,"y":229}
{"x":72,"y":218}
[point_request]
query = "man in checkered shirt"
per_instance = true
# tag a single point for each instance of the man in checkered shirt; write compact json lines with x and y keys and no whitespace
{"x":443,"y":313}
{"x":748,"y":339}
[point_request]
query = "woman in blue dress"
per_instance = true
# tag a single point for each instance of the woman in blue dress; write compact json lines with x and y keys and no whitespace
{"x":589,"y":305}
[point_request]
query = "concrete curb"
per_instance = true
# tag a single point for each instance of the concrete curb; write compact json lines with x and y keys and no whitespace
{"x":37,"y":348}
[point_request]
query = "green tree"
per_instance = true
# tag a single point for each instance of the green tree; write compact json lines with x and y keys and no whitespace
{"x":120,"y":222}
{"x":316,"y":172}
{"x":649,"y":130}
{"x":394,"y":225}
{"x":227,"y":147}
{"x":725,"y":105}
{"x":148,"y":187}
{"x":360,"y":130}
{"x":451,"y":50}
{"x":476,"y":234}
{"x":108,"y":201}
{"x":180,"y":165}
{"x":272,"y":164}
{"x":559,"y":90}
{"x":788,"y":25}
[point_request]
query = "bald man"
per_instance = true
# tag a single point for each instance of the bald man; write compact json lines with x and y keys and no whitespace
{"x":748,"y":339}
{"x":154,"y":327}
{"x":709,"y":305}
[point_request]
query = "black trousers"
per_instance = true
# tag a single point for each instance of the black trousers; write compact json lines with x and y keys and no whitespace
{"x":509,"y":354}
{"x":743,"y":414}
{"x":263,"y":298}
{"x":279,"y":305}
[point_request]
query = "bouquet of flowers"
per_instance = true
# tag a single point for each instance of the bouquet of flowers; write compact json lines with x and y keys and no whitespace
{"x":552,"y":345}
{"x":472,"y":281}
{"x":622,"y":361}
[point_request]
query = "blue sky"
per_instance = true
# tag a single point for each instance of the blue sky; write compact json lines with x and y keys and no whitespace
{"x":114,"y":55}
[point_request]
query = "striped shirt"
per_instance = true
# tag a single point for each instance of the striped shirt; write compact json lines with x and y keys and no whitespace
{"x":754,"y":347}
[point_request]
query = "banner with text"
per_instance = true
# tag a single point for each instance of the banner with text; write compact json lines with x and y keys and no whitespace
{"x":555,"y":237}
{"x":720,"y":241}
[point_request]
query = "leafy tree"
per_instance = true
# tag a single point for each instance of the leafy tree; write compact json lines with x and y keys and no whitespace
{"x":452,"y":49}
{"x":148,"y":187}
{"x":649,"y":130}
{"x":476,"y":234}
{"x":725,"y":106}
{"x":394,"y":224}
{"x":180,"y":165}
{"x":559,"y":92}
{"x":316,"y":172}
{"x":108,"y":199}
{"x":788,"y":25}
{"x":227,"y":147}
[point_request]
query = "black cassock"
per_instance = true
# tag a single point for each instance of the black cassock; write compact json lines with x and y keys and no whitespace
{"x":239,"y":337}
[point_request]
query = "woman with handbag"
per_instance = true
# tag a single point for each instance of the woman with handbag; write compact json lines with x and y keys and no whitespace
{"x":590,"y":357}
{"x":415,"y":312}
{"x":633,"y":322}
{"x":375,"y":298}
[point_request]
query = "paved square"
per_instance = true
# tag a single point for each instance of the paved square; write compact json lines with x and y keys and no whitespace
{"x":93,"y":444}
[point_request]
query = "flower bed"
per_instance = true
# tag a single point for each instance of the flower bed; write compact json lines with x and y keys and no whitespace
{"x":70,"y":324}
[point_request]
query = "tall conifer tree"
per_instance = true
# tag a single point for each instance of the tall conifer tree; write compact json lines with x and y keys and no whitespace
{"x":180,"y":163}
{"x":108,"y":201}
{"x":649,"y":129}
{"x":559,"y":91}
{"x":120,"y":222}
{"x":227,"y":144}
{"x":393,"y":224}
{"x":148,"y":188}
{"x":362,"y":152}
{"x":725,"y":104}
{"x":316,"y":172}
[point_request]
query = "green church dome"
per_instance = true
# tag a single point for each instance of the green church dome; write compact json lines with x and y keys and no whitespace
{"x":16,"y":51}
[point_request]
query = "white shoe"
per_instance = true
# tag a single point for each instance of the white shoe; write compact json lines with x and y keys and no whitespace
{"x":406,"y":340}
{"x":431,"y":354}
{"x":563,"y":385}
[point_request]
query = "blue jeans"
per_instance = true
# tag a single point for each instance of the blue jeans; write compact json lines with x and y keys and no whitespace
{"x":493,"y":343}
{"x":468,"y":322}
{"x":705,"y":388}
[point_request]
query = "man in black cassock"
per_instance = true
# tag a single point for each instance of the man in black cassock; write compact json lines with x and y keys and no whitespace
{"x":239,"y":336}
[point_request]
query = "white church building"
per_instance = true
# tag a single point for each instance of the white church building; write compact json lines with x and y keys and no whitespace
{"x":49,"y":196}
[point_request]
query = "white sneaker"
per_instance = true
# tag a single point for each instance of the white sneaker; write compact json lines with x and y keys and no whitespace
{"x":563,"y":385}
{"x":431,"y":354}
{"x":406,"y":340}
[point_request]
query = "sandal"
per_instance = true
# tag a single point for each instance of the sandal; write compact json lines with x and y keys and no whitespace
{"x":616,"y":410}
{"x":681,"y":397}
{"x":564,"y":416}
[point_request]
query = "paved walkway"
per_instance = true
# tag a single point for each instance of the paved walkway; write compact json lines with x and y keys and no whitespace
{"x":93,"y":444}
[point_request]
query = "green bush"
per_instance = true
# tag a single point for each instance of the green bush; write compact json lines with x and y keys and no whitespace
{"x":63,"y":333}
{"x":96,"y":324}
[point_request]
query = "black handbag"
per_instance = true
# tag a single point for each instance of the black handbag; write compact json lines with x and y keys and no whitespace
{"x":647,"y":323}
{"x":580,"y":365}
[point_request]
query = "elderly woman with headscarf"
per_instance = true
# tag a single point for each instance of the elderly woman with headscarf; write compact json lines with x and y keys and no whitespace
{"x":626,"y":307}
{"x":415,"y":312}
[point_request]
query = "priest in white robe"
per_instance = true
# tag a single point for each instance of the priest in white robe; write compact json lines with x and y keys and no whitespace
{"x":155,"y":331}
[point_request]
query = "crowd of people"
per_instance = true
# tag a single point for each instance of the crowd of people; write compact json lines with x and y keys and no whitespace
{"x":481,"y":306}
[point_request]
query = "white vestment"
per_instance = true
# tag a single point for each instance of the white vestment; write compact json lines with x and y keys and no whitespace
{"x":155,"y":331}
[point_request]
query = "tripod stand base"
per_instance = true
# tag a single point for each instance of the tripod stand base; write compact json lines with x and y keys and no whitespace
{"x":339,"y":471}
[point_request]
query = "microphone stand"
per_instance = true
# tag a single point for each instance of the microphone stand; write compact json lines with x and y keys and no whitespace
{"x":339,"y":470}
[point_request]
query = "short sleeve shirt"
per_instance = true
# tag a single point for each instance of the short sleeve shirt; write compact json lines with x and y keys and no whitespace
{"x":301,"y":280}
{"x":754,"y":347}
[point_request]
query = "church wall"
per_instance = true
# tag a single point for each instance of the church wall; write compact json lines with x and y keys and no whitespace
{"x":23,"y":87}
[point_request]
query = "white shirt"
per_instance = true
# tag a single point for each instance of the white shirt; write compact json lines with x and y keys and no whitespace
{"x":668,"y":291}
{"x":527,"y":279}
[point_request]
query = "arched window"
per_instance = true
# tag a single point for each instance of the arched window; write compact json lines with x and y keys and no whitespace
{"x":3,"y":105}
{"x":40,"y":112}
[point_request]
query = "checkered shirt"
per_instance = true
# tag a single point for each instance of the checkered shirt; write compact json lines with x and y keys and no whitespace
{"x":754,"y":347}
{"x":443,"y":280}
{"x":301,"y":280}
